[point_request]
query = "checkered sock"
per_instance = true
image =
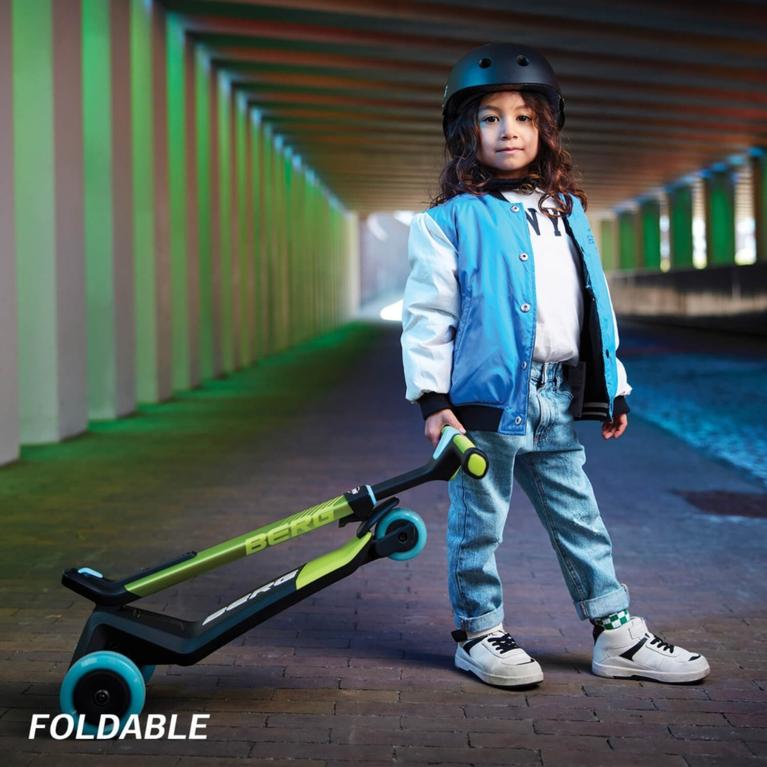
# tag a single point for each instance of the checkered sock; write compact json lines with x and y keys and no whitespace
{"x":613,"y":621}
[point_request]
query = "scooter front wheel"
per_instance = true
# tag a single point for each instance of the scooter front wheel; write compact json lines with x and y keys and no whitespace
{"x":402,"y":518}
{"x":103,"y":682}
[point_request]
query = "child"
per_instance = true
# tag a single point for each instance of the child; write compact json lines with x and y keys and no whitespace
{"x":508,"y":330}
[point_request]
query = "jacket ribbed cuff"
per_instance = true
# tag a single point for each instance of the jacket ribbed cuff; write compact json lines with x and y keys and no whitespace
{"x":620,"y":406}
{"x":432,"y":402}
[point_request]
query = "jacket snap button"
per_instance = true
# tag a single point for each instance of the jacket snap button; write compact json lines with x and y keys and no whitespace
{"x":607,"y":352}
{"x":523,"y":256}
{"x":515,"y":208}
{"x":518,"y":419}
{"x":525,"y":307}
{"x":524,"y":365}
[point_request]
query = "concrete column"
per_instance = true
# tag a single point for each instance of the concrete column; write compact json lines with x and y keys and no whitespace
{"x":276,"y":297}
{"x":99,"y":237}
{"x":254,"y":227}
{"x":719,"y":191}
{"x":351,"y":288}
{"x":291,"y":266}
{"x":257,"y":215}
{"x":324,"y":238}
{"x":162,"y":203}
{"x":649,"y":234}
{"x":321,"y":223}
{"x":300,"y":244}
{"x":758,"y":160}
{"x":238,"y":231}
{"x":311,"y":249}
{"x":178,"y":174}
{"x":48,"y":189}
{"x":143,"y":202}
{"x":339,"y":251}
{"x":627,"y":240}
{"x":108,"y":263}
{"x":9,"y":402}
{"x":247,"y":230}
{"x":123,"y":294}
{"x":192,"y":234}
{"x":332,"y":257}
{"x":150,"y":201}
{"x":70,"y":235}
{"x":233,"y":227}
{"x":279,"y":297}
{"x":271,"y":224}
{"x":216,"y":218}
{"x":207,"y":217}
{"x":283,"y":251}
{"x":224,"y":228}
{"x":680,"y":225}
{"x":285,"y":169}
{"x":307,"y":260}
{"x":290,"y":250}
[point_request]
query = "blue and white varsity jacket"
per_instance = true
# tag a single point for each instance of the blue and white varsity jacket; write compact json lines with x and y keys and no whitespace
{"x":469,"y":316}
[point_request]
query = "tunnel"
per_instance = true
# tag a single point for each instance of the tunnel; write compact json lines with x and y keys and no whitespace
{"x":209,"y":222}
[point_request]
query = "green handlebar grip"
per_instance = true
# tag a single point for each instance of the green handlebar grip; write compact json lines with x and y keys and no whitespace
{"x":463,"y":443}
{"x":473,"y":460}
{"x":475,"y":463}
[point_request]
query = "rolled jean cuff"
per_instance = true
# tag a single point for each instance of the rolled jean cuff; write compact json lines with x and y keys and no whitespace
{"x":599,"y":607}
{"x":487,"y":621}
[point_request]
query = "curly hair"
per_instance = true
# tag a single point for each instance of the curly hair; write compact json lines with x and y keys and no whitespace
{"x":551,"y":171}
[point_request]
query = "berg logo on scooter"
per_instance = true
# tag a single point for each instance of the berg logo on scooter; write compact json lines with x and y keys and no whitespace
{"x":251,"y":595}
{"x":290,"y":528}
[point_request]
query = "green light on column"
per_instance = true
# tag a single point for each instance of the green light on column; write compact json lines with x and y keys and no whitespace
{"x":203,"y":219}
{"x":680,"y":226}
{"x":649,"y":222}
{"x":143,"y":200}
{"x":35,"y":217}
{"x":243,"y":221}
{"x":177,"y":184}
{"x":720,"y":217}
{"x":225,"y":239}
{"x":99,"y":236}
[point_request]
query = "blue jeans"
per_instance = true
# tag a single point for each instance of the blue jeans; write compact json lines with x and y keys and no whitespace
{"x":547,"y":461}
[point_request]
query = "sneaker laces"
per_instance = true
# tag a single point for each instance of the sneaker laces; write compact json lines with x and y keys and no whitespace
{"x":661,"y":642}
{"x":503,"y":643}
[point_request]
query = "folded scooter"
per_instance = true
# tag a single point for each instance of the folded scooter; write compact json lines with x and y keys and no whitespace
{"x":121,"y":644}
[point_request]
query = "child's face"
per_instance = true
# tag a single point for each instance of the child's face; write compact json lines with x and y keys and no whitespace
{"x":507,"y":132}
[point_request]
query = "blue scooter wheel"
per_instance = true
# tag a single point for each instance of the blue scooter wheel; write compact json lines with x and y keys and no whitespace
{"x":102,"y":682}
{"x":400,"y":518}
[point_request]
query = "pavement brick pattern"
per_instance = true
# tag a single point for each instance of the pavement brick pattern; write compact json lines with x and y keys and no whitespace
{"x":362,"y":671}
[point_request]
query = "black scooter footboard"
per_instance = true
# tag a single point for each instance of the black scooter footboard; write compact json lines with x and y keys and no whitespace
{"x":150,"y":638}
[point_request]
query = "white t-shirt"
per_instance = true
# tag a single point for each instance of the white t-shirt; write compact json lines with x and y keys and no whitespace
{"x":558,"y":281}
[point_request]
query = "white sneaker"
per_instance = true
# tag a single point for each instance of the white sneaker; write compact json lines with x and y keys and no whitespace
{"x":633,"y":651}
{"x":496,"y":659}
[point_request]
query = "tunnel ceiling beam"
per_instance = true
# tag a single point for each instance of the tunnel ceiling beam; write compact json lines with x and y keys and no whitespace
{"x":651,"y":96}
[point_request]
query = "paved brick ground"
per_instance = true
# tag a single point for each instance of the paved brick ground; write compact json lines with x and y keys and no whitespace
{"x":362,"y":672}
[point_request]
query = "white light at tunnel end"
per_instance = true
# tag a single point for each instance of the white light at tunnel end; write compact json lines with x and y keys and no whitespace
{"x":392,"y":312}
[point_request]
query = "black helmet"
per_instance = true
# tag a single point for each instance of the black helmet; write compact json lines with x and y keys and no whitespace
{"x":484,"y":69}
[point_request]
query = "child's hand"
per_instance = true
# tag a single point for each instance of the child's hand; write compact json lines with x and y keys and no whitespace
{"x":435,"y":422}
{"x":616,"y":427}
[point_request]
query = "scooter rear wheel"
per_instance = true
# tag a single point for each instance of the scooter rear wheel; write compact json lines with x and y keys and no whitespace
{"x":402,"y":518}
{"x":103,"y":682}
